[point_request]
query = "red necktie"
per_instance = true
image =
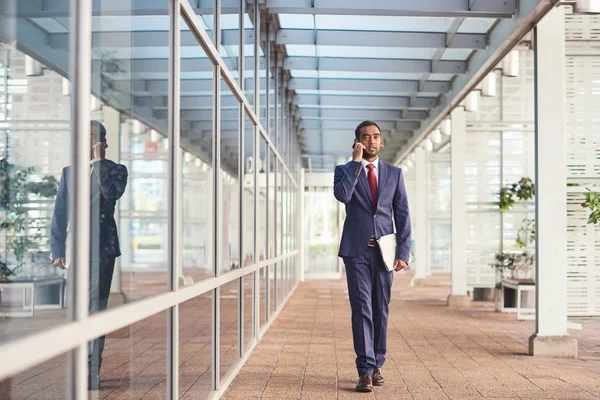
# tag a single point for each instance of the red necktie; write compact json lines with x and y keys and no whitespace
{"x":372,"y":183}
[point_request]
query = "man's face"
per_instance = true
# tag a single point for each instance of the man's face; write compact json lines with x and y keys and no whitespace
{"x":94,"y":136}
{"x":371,"y":138}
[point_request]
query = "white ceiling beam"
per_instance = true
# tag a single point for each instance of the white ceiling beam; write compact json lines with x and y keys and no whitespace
{"x":342,"y":124}
{"x":135,"y":39}
{"x":105,"y":8}
{"x":368,"y":85}
{"x":366,"y":102}
{"x":377,"y":115}
{"x":382,"y":39}
{"x":373,"y":65}
{"x":408,"y":8}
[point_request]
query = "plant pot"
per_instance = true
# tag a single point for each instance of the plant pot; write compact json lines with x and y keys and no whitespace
{"x":498,"y":299}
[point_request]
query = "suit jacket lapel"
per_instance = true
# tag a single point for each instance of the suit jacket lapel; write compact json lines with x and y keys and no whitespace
{"x":362,"y":177}
{"x":381,"y":180}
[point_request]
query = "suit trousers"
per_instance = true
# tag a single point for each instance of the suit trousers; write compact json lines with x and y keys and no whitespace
{"x":369,"y":290}
{"x":101,"y":273}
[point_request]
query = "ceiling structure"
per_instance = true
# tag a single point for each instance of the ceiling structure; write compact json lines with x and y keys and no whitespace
{"x":385,"y":61}
{"x":403,"y":64}
{"x":400,"y":63}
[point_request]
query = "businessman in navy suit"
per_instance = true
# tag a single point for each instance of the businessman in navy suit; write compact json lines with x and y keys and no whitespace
{"x":375,"y":198}
{"x":108,"y":182}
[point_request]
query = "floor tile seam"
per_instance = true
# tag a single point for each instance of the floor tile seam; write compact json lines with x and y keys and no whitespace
{"x":578,"y":387}
{"x":519,"y":373}
{"x":335,"y":358}
{"x":451,"y":363}
{"x":421,"y":361}
{"x":308,"y":348}
{"x":197,"y":379}
{"x":278,"y":355}
{"x":479,"y":344}
{"x":402,"y":378}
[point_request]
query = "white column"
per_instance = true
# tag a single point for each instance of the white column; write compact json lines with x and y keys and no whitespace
{"x":420,"y":218}
{"x":458,"y":293}
{"x":551,"y":337}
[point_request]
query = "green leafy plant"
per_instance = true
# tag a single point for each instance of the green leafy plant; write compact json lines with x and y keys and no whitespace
{"x":506,"y":199}
{"x":526,"y":233}
{"x":5,"y":272}
{"x":592,"y":201}
{"x":511,"y":261}
{"x":16,"y":194}
{"x":522,"y":190}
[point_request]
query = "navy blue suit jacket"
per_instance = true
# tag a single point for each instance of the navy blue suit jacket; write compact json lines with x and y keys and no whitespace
{"x":363,"y":217}
{"x":109,"y":180}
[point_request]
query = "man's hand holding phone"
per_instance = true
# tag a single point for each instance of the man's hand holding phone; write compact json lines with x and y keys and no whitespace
{"x":357,"y":153}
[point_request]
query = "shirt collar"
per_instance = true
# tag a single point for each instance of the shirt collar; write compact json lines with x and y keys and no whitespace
{"x":374,"y":162}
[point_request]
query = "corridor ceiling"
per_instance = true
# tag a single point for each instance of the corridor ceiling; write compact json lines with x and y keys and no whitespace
{"x":401,"y":63}
{"x":386,"y":61}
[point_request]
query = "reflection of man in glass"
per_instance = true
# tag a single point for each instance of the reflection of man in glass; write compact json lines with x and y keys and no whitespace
{"x":108,"y":181}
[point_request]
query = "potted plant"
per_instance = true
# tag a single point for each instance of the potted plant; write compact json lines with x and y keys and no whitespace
{"x":21,"y":231}
{"x":516,"y":263}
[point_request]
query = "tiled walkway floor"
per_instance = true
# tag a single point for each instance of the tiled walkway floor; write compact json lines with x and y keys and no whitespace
{"x":433,"y":352}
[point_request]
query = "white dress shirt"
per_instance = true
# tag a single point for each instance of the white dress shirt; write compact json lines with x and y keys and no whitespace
{"x":375,"y":170}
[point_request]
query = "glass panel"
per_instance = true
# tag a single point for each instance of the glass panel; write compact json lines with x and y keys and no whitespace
{"x":205,"y":12}
{"x":44,"y":381}
{"x":35,"y":152}
{"x":261,"y":217}
{"x":133,"y":360}
{"x":272,"y":209}
{"x":272,"y":289}
{"x":230,"y":108}
{"x":280,"y":209}
{"x":249,"y":55}
{"x":279,"y":272}
{"x":263,"y":91}
{"x":195,"y":347}
{"x":301,"y":50}
{"x":296,"y":21}
{"x":134,"y":176}
{"x":383,"y":23}
{"x":263,"y":297}
{"x":142,"y":219}
{"x":476,"y":25}
{"x":248,"y":292}
{"x":375,"y":52}
{"x":230,"y":36}
{"x":248,"y":203}
{"x":197,"y":142}
{"x":229,"y":345}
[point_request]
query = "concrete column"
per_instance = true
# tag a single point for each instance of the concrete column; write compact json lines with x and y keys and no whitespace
{"x":420,"y":218}
{"x":112,"y":122}
{"x":551,"y":337}
{"x":458,"y":293}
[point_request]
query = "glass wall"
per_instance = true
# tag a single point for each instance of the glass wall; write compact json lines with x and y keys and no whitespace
{"x":145,"y":200}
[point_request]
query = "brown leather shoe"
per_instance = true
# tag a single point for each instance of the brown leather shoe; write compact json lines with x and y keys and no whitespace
{"x":378,"y":379}
{"x":365,"y":383}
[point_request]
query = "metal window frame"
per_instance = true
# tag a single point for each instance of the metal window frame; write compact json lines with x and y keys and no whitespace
{"x":72,"y":337}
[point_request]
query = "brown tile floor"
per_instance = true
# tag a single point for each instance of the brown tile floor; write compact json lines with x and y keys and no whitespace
{"x":433,"y":352}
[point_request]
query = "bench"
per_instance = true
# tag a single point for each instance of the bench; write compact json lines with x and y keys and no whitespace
{"x":519,"y":286}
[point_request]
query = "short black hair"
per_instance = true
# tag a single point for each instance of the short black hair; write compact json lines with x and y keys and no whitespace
{"x":362,"y":125}
{"x":98,"y":131}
